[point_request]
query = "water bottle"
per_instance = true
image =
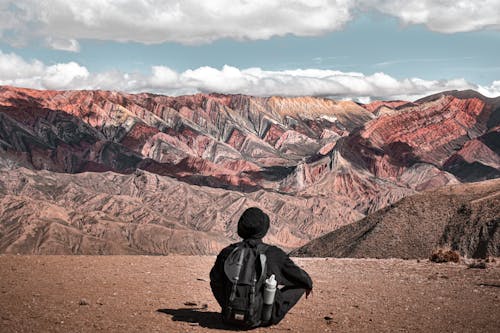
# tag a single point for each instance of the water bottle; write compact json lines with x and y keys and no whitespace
{"x":269,"y":292}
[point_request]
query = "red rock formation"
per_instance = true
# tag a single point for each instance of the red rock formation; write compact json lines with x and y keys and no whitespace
{"x":241,"y":133}
{"x":431,"y":131}
{"x":429,"y":128}
{"x":249,"y":127}
{"x":137,"y":137}
{"x":476,"y":151}
{"x":273,"y":133}
{"x":336,"y":153}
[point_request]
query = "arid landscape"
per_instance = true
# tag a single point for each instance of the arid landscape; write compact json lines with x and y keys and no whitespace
{"x":140,"y":139}
{"x":144,"y":294}
{"x":89,"y":174}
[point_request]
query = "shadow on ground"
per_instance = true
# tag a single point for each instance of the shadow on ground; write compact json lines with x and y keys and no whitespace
{"x":206,"y":319}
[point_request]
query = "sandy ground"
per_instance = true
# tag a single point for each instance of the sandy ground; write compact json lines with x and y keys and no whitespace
{"x":172,"y":294}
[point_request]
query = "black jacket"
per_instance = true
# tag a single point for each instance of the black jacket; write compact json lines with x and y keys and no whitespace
{"x":278,"y":263}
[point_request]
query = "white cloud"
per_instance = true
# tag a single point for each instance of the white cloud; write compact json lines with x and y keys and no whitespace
{"x":62,"y":23}
{"x":188,"y":21}
{"x":65,"y":76}
{"x":491,"y":91}
{"x":163,"y":76}
{"x":446,"y":16}
{"x":16,"y":71}
{"x":70,"y":45}
{"x":13,"y":66}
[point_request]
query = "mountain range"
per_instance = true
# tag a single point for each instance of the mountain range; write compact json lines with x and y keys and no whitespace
{"x":109,"y":172}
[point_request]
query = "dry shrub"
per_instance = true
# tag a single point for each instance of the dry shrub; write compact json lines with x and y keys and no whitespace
{"x":444,"y":255}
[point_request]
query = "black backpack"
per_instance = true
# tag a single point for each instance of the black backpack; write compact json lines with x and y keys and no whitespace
{"x":245,"y":268}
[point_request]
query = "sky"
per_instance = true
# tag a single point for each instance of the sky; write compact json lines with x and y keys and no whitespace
{"x":344,"y":49}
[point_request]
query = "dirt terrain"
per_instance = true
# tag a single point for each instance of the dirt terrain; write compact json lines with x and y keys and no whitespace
{"x":172,"y":294}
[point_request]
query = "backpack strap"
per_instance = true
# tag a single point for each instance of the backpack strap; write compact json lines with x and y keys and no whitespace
{"x":252,"y":293}
{"x":238,"y":270}
{"x":261,"y":249}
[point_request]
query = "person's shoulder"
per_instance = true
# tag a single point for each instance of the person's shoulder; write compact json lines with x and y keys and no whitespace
{"x":275,"y":251}
{"x":227,"y":250}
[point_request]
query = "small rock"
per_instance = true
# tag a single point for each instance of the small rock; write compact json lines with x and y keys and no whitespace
{"x":329,"y":320}
{"x":83,"y":301}
{"x":190,"y":304}
{"x":478,"y":265}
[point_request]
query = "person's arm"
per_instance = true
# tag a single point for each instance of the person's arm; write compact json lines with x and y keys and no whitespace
{"x":296,"y":275}
{"x":217,"y":279}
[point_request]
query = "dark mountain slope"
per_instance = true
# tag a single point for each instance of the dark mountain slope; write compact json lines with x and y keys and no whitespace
{"x":464,"y":217}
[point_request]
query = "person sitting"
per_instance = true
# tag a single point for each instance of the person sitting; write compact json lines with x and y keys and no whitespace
{"x":292,"y":281}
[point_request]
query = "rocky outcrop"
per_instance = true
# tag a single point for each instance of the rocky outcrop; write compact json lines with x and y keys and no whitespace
{"x":476,"y":161}
{"x":427,"y":131}
{"x":464,"y":217}
{"x":381,"y":107}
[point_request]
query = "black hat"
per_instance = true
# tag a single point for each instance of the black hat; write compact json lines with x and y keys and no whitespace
{"x":253,"y":223}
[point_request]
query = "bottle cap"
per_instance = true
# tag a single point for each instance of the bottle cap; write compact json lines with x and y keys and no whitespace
{"x":271,"y":282}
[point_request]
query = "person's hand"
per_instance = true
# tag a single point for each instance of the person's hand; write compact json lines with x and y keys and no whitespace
{"x":309,"y":292}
